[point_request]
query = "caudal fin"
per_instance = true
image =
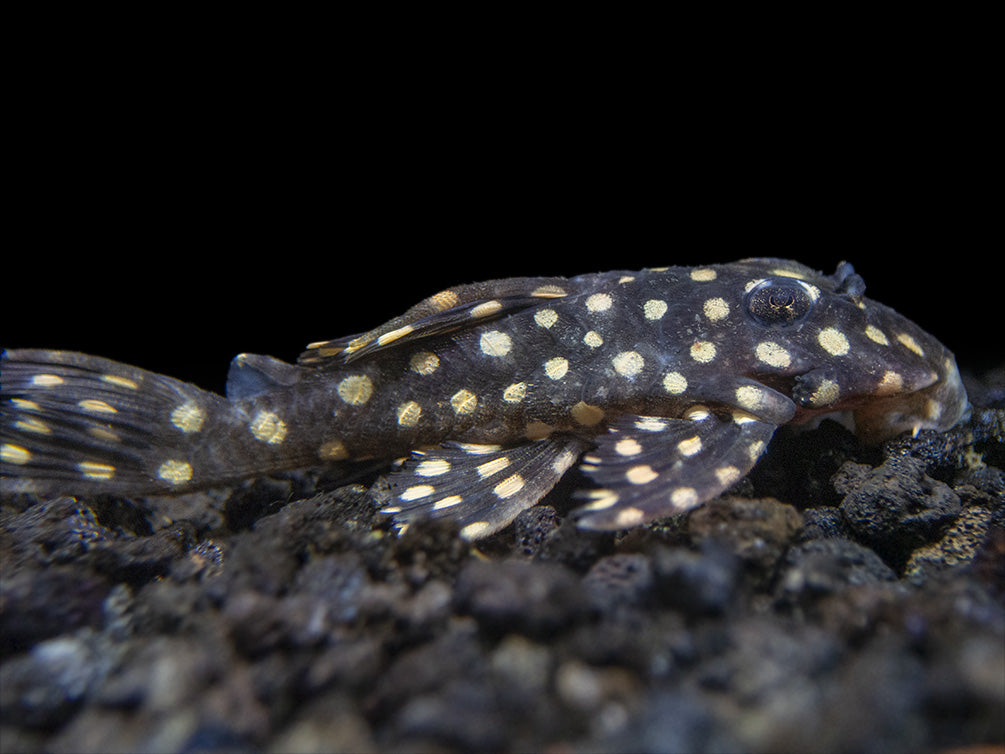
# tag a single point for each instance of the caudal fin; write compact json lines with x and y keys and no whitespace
{"x":74,"y":423}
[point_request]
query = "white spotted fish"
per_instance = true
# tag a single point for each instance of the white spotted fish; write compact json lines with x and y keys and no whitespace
{"x":665,"y":384}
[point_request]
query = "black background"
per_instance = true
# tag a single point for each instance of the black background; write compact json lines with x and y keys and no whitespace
{"x":181,"y":289}
{"x":172,"y":219}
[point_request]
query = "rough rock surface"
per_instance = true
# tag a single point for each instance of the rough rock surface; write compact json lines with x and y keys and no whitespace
{"x":840,"y":599}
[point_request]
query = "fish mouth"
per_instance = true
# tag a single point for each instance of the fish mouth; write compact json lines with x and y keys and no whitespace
{"x":889,"y":405}
{"x":938,"y":403}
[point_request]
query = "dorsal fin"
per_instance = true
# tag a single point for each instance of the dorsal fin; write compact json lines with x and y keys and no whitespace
{"x":448,"y":310}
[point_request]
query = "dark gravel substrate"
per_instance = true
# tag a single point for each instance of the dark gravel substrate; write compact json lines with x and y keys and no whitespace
{"x":841,"y":599}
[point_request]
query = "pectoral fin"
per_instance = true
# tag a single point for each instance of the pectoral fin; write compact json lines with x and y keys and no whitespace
{"x":651,"y":467}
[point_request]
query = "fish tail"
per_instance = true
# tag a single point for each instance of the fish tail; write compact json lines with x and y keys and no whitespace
{"x":72,"y":423}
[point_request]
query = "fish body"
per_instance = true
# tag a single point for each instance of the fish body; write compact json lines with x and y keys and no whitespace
{"x":665,"y":384}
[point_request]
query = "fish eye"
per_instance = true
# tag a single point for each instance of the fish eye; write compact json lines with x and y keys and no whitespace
{"x":778,"y":302}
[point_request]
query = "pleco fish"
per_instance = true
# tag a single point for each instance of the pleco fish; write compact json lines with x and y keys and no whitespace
{"x":667,"y":383}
